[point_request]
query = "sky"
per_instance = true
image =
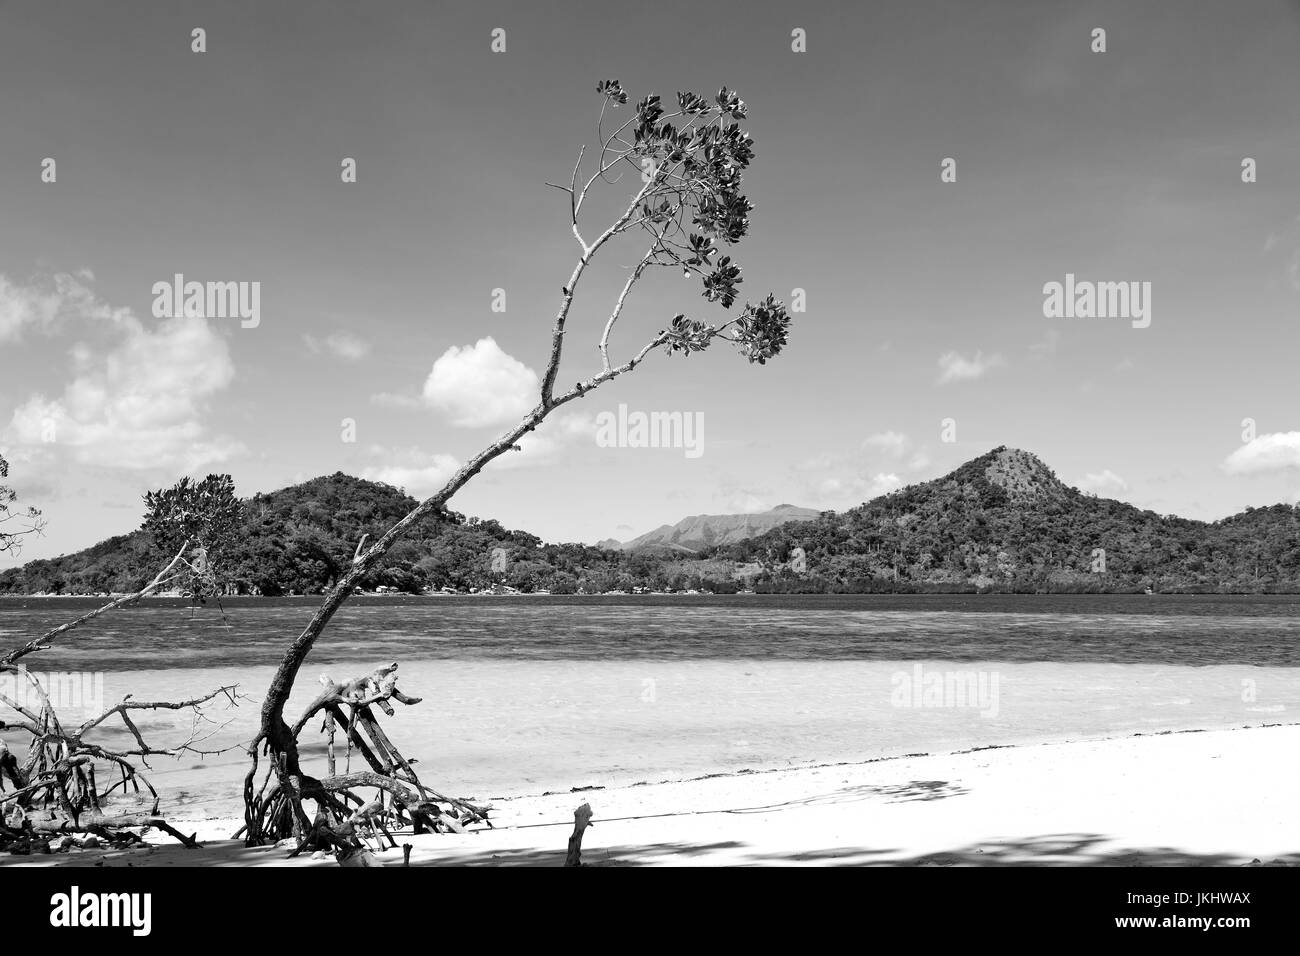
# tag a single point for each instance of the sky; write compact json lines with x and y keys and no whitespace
{"x":377,"y":350}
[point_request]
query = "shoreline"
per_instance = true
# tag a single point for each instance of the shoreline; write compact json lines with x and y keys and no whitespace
{"x":1175,"y":797}
{"x":919,"y":592}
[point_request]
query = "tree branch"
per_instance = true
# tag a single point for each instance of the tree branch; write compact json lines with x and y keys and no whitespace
{"x":42,"y":642}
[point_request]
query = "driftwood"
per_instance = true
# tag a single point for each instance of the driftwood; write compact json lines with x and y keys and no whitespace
{"x":581,"y":820}
{"x":351,"y":804}
{"x":98,"y":822}
{"x":66,"y":783}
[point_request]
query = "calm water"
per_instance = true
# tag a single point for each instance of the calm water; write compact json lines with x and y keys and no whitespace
{"x":530,"y":694}
{"x":1190,"y":630}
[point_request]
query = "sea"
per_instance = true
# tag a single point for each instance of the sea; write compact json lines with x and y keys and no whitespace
{"x":534,"y":694}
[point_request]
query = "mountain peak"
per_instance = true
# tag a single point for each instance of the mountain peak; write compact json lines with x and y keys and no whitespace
{"x":1020,"y":474}
{"x":698,"y":532}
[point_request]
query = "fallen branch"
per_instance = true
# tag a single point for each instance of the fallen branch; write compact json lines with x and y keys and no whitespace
{"x":96,"y":823}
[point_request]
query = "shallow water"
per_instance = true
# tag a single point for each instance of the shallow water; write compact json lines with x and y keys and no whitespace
{"x":531,"y":694}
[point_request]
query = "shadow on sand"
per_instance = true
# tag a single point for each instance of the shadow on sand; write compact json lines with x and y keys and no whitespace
{"x":1070,"y":849}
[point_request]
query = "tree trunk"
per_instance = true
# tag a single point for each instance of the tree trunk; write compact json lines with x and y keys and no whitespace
{"x":280,"y":740}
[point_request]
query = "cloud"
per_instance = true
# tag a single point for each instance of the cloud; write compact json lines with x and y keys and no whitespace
{"x":47,"y":301}
{"x":734,"y":496}
{"x":480,"y":385}
{"x":744,"y":503}
{"x":954,"y":367}
{"x":850,"y":491}
{"x":1277,"y":451}
{"x":420,"y":474}
{"x":136,"y":400}
{"x":861,"y":488}
{"x":395,"y":400}
{"x":1048,"y":346}
{"x":893,"y":444}
{"x":1287,"y":244}
{"x":342,"y":345}
{"x":837,"y":480}
{"x":1105,"y":483}
{"x":549,"y":440}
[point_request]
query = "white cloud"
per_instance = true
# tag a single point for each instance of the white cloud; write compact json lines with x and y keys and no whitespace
{"x":1287,"y":243}
{"x":954,"y":367}
{"x":839,"y":493}
{"x":418,"y":473}
{"x":545,"y":443}
{"x":1048,"y":346}
{"x":733,"y":496}
{"x":136,"y":400}
{"x":744,"y":503}
{"x":1105,"y":483}
{"x":823,"y":462}
{"x":1276,"y":451}
{"x":47,"y":301}
{"x":342,"y":345}
{"x":395,"y":400}
{"x":890,"y":443}
{"x":879,"y":484}
{"x":838,"y":480}
{"x":478,"y":385}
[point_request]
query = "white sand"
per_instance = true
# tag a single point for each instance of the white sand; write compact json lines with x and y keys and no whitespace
{"x":1223,"y":797}
{"x":499,"y":728}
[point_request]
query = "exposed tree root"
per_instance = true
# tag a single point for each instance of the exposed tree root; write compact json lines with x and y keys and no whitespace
{"x":67,"y":784}
{"x":352,"y":805}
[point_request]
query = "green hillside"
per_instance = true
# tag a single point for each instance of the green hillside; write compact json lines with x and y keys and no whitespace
{"x":1004,"y":521}
{"x":1000,"y":522}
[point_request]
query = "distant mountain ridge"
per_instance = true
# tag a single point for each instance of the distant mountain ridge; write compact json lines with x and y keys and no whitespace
{"x":1005,"y":521}
{"x":1002,"y":521}
{"x":700,"y":532}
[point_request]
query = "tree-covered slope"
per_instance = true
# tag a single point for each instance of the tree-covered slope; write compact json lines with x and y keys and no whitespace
{"x":1002,"y":521}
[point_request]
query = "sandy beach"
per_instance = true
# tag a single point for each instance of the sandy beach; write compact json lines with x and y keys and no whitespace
{"x":1215,"y":798}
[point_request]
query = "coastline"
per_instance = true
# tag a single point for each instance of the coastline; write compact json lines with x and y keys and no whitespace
{"x":1193,"y":797}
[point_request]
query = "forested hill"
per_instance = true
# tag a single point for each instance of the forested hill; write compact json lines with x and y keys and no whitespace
{"x":1005,"y":521}
{"x":298,"y":540}
{"x":1000,"y":522}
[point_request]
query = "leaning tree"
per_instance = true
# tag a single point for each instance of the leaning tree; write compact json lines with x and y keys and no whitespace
{"x":687,"y":165}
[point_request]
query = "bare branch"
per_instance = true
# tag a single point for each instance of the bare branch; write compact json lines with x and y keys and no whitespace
{"x":42,"y":642}
{"x":128,"y":704}
{"x":641,"y":266}
{"x":557,"y":332}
